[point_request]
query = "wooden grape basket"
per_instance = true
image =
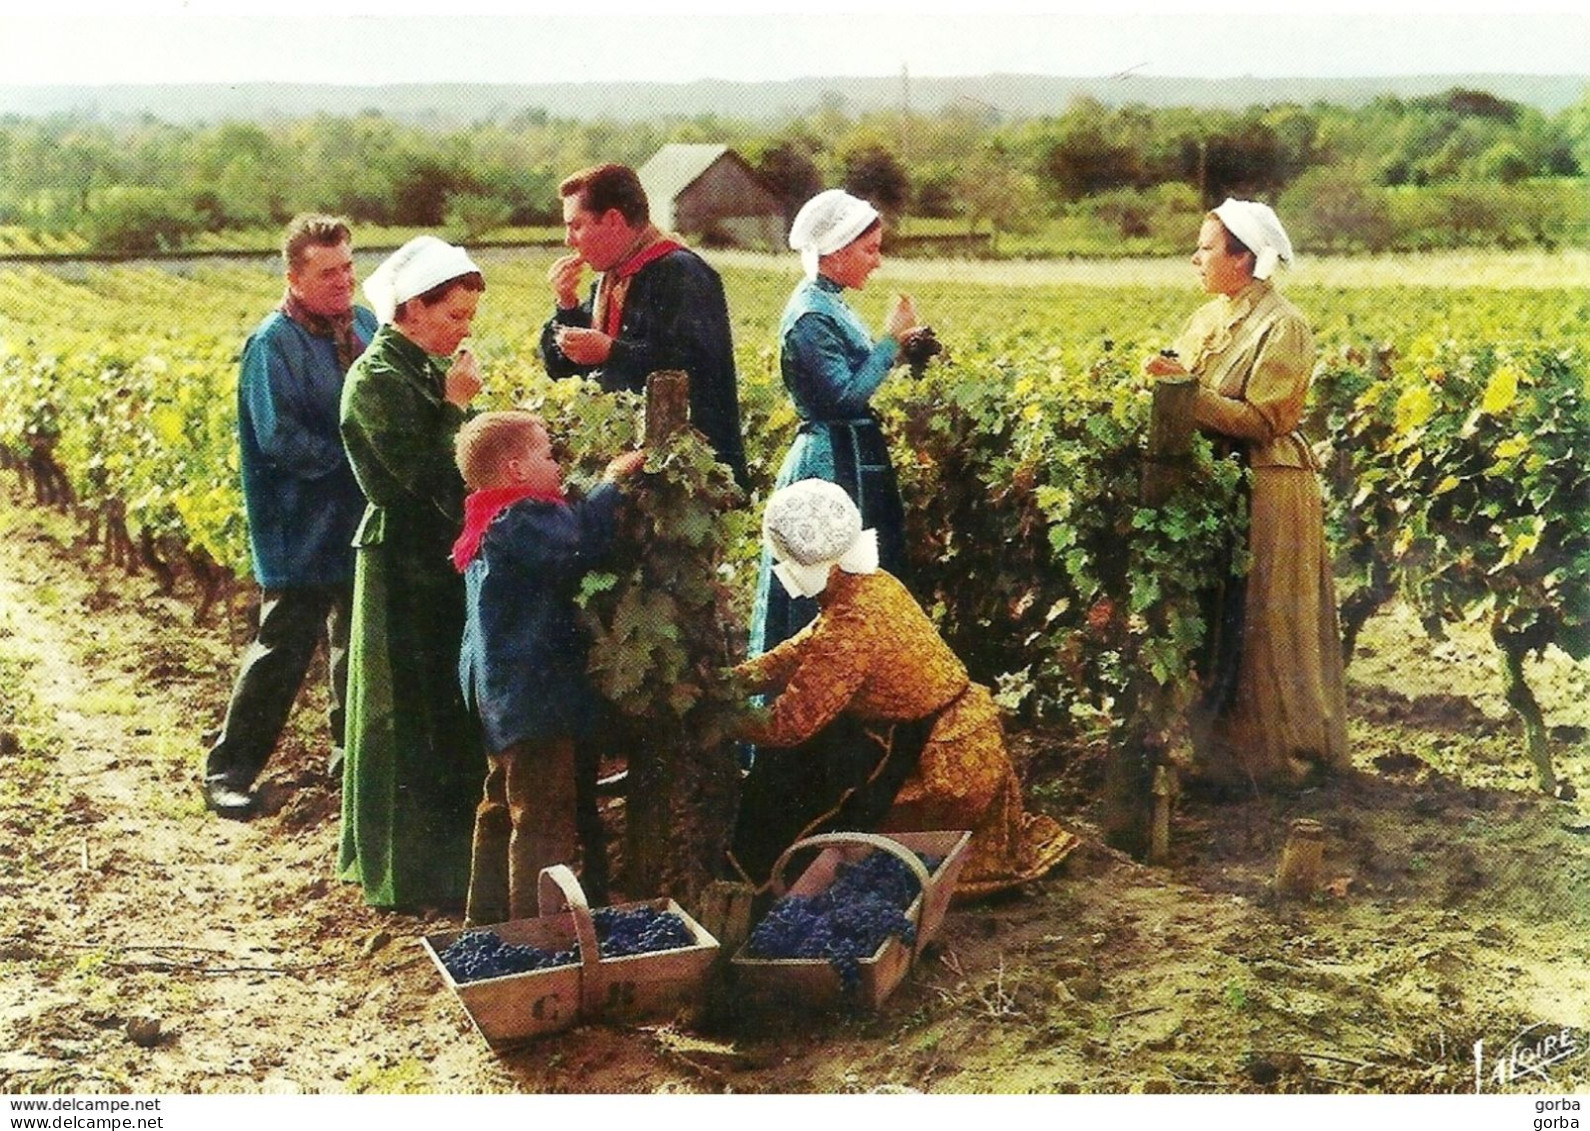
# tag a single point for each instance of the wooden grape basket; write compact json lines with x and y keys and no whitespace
{"x":813,"y":983}
{"x":517,"y":1007}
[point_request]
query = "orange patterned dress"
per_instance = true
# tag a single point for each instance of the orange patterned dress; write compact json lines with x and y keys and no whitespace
{"x":872,"y":655}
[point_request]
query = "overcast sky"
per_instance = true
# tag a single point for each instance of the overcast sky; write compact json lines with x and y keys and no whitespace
{"x":350,"y":41}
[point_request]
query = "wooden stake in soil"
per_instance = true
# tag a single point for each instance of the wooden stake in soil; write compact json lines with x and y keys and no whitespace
{"x":1159,"y":833}
{"x":654,"y":752}
{"x":1302,"y":860}
{"x":1129,"y":821}
{"x":682,"y":787}
{"x":726,"y":913}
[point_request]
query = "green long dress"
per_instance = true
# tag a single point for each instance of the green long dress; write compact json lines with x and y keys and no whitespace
{"x":414,"y":763}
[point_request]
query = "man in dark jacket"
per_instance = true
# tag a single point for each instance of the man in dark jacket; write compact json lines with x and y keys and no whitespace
{"x":655,"y":305}
{"x":302,"y":500}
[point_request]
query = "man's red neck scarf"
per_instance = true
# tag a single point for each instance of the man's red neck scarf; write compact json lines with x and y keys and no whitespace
{"x":480,"y":507}
{"x":337,"y":327}
{"x":607,"y":311}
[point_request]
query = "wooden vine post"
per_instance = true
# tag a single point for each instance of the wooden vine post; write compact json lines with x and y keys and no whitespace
{"x":646,"y":811}
{"x":683,"y":779}
{"x":667,"y":405}
{"x":1170,"y":433}
{"x":1138,"y":786}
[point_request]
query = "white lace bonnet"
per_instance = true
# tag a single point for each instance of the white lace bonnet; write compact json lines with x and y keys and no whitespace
{"x":812,"y":526}
{"x":826,"y":223}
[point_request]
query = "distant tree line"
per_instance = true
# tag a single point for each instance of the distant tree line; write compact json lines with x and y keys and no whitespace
{"x":1464,"y":167}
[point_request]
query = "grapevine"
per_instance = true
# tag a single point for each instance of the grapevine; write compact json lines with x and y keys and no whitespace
{"x":1019,"y":462}
{"x":1467,"y":488}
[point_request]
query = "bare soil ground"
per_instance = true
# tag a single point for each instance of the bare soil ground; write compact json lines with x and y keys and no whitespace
{"x":147,"y":946}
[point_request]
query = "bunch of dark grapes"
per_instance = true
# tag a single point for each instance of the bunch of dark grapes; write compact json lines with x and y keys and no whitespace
{"x":919,"y":348}
{"x":639,"y":930}
{"x":849,"y":921}
{"x":477,"y":955}
{"x":883,"y":875}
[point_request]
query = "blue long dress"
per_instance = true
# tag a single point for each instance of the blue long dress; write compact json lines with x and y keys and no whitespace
{"x":831,"y":368}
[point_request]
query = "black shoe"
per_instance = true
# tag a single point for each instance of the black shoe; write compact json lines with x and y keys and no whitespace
{"x":225,"y":801}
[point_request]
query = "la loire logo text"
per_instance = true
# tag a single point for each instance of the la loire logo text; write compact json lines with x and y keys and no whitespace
{"x":1528,"y":1058}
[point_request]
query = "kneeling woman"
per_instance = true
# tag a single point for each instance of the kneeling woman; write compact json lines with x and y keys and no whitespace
{"x":934,"y":756}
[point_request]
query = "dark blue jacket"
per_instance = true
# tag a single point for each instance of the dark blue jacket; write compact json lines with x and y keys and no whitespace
{"x":302,"y":500}
{"x":675,"y":317}
{"x":522,"y":664}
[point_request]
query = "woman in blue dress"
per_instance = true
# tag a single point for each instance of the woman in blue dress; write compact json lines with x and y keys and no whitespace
{"x":831,"y":366}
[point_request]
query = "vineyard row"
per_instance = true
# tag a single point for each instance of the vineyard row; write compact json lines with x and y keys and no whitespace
{"x":1455,"y":465}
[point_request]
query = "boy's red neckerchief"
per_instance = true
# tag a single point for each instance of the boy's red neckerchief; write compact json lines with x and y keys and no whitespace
{"x":480,"y":507}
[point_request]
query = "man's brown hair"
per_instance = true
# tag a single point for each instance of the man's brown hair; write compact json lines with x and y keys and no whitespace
{"x":486,"y":442}
{"x":312,"y":229}
{"x":609,"y":186}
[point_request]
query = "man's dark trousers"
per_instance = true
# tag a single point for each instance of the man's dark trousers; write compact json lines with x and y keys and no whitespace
{"x":274,"y":664}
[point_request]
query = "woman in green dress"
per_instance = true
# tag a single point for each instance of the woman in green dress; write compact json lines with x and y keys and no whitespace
{"x":414,"y":760}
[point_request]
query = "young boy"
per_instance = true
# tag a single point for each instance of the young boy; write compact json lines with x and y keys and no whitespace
{"x":523,"y":551}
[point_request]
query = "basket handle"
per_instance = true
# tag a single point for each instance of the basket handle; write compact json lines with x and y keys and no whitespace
{"x":558,"y":890}
{"x":872,"y":840}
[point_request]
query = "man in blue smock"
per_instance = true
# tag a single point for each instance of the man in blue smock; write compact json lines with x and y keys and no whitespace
{"x":302,"y":500}
{"x":655,"y":305}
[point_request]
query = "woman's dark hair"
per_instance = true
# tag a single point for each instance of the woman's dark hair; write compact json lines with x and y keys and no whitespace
{"x":1234,"y":246}
{"x":472,"y":281}
{"x":868,"y":230}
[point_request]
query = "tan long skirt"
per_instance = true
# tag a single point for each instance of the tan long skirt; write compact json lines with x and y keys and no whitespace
{"x":1289,"y":720}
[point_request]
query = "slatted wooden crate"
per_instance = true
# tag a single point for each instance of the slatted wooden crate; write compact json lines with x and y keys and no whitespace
{"x":517,"y":1007}
{"x":813,"y":982}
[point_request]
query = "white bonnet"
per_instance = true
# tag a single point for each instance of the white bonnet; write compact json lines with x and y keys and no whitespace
{"x":422,"y":263}
{"x":1259,"y":227}
{"x":811,"y":526}
{"x":826,"y":223}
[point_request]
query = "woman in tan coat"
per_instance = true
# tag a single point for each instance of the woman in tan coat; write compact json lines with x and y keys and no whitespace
{"x":1274,"y":713}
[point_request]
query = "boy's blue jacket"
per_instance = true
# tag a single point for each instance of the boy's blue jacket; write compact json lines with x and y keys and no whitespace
{"x":522,"y":664}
